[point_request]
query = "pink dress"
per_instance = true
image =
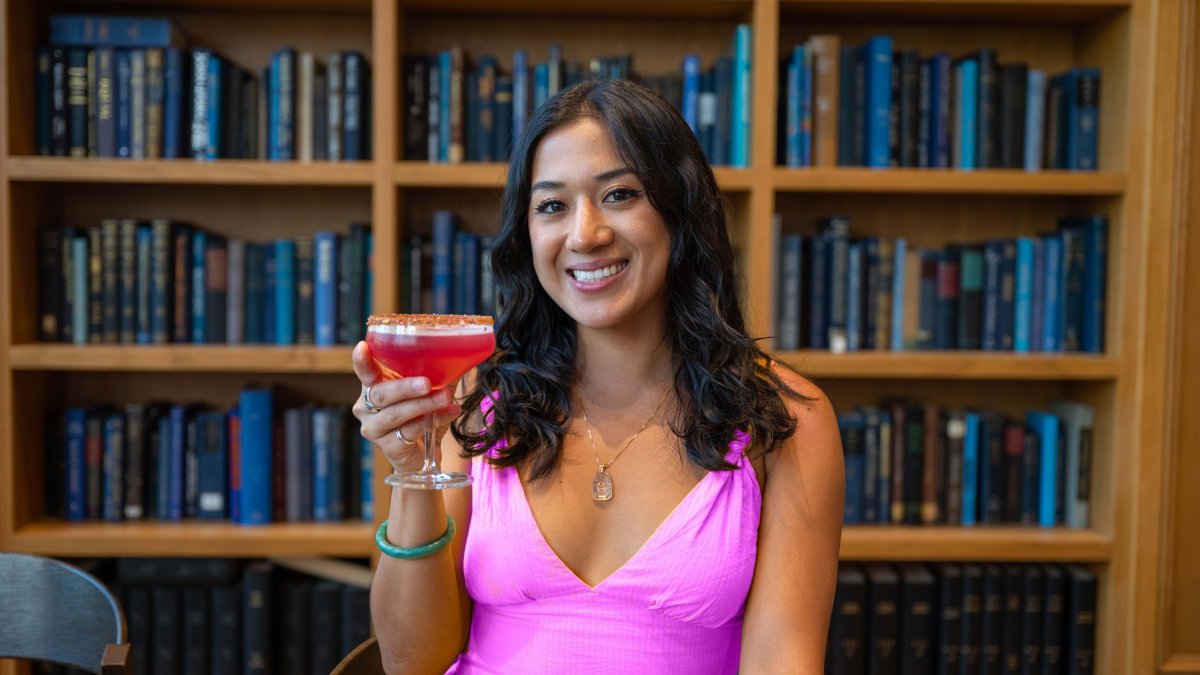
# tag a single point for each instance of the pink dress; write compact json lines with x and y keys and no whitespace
{"x":675,"y":607}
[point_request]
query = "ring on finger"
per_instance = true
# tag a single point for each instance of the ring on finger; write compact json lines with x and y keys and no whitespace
{"x":400,"y":437}
{"x":368,"y":402}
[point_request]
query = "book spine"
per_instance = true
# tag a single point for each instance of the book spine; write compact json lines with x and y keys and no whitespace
{"x":970,"y":475}
{"x":987,"y":127}
{"x":285,"y":131}
{"x":235,"y":286}
{"x":175,"y":103}
{"x":76,"y":102}
{"x":255,"y":414}
{"x":143,"y":280}
{"x":878,"y":61}
{"x":257,"y":596}
{"x":1023,"y":307}
{"x":285,"y":292}
{"x":104,"y":288}
{"x":325,"y":291}
{"x":216,"y":145}
{"x":50,"y":284}
{"x":116,"y":31}
{"x":1085,"y":124}
{"x":1095,"y":281}
{"x":304,"y":299}
{"x":60,"y":114}
{"x":127,"y":281}
{"x":75,"y":420}
{"x":742,"y":96}
{"x":123,"y":101}
{"x":1007,"y":304}
{"x":354,"y":140}
{"x":137,"y":105}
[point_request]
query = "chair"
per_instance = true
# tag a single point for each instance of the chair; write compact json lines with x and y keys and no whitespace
{"x":363,"y":660}
{"x":52,"y":611}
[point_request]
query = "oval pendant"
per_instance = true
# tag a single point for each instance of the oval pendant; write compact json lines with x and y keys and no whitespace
{"x":601,"y":486}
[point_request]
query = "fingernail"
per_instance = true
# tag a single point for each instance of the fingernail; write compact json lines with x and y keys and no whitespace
{"x":420,"y":386}
{"x":441,"y":397}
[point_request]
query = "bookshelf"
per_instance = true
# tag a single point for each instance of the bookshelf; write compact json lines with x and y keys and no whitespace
{"x":1123,"y":37}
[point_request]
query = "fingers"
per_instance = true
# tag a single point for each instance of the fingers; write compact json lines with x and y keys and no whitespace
{"x":365,"y":367}
{"x":398,"y":413}
{"x":414,"y":430}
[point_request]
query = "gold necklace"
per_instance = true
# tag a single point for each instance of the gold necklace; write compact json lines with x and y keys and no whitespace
{"x":602,"y":486}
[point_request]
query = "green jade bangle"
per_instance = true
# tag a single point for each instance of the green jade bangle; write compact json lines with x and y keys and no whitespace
{"x":416,"y":551}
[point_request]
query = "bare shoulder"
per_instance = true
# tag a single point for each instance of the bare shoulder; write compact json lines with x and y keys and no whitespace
{"x":816,"y":421}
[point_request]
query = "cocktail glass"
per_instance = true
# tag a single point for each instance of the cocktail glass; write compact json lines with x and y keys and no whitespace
{"x":440,"y":347}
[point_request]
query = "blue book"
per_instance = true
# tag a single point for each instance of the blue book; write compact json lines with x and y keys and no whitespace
{"x":445,"y":71}
{"x":1095,"y":281}
{"x":233,"y":423}
{"x":937,"y":120}
{"x":966,"y":74}
{"x":877,"y":58}
{"x":723,"y":89}
{"x":445,"y":224}
{"x":993,"y":258}
{"x":174,"y":103}
{"x":469,"y":273}
{"x":213,"y":452}
{"x":899,"y":252}
{"x":112,"y":31}
{"x":1035,"y":119}
{"x":1023,"y":305}
{"x":366,"y":463}
{"x":1037,"y":293}
{"x":792,"y":110}
{"x":268,"y":293}
{"x":836,"y":229}
{"x":176,"y":461}
{"x":256,"y":409}
{"x":162,"y":468}
{"x":742,"y":84}
{"x":851,"y":427}
{"x":1046,"y":427}
{"x":255,"y":263}
{"x":285,"y":292}
{"x":272,"y":84}
{"x":970,"y":468}
{"x":198,"y":305}
{"x":323,"y":432}
{"x":1072,"y":289}
{"x":145,"y":313}
{"x":691,"y":92}
{"x":790,"y":287}
{"x":457,"y":285}
{"x":541,"y":84}
{"x":1008,"y":284}
{"x":807,"y":96}
{"x":76,"y":464}
{"x":1078,"y":118}
{"x":325,"y":290}
{"x":854,"y":292}
{"x":285,"y":104}
{"x":522,"y":96}
{"x":337,"y":465}
{"x":356,"y":131}
{"x":1052,"y":286}
{"x":818,"y":293}
{"x":216,"y":107}
{"x":113,"y":501}
{"x":123,"y":102}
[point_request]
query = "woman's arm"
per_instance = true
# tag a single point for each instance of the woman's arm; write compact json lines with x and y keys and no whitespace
{"x":788,"y":611}
{"x":420,"y":609}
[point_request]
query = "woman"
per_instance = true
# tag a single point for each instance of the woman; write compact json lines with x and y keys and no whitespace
{"x":622,"y":371}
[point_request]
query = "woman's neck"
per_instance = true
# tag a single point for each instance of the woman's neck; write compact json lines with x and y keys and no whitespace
{"x":611,"y":365}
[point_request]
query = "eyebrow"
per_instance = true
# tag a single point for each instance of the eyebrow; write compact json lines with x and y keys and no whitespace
{"x":600,"y":178}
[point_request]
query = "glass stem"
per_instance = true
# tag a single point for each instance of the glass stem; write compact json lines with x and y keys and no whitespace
{"x":430,"y":466}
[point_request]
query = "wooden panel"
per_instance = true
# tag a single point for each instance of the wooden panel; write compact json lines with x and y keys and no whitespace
{"x":24,"y":29}
{"x":494,"y":175}
{"x":992,"y":544}
{"x":1106,"y":45}
{"x":951,"y":365}
{"x":183,"y":171}
{"x":1012,"y":11}
{"x":384,"y":263}
{"x":350,"y":539}
{"x":182,"y":358}
{"x":927,"y":181}
{"x":567,"y":12}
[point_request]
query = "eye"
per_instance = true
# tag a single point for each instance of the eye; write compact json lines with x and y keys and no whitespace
{"x":621,"y":194}
{"x":549,"y":206}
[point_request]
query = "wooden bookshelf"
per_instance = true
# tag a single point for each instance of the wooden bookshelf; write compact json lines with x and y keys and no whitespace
{"x":1130,"y":40}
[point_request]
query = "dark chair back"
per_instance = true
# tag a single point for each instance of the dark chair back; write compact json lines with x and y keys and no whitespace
{"x":364,"y":660}
{"x":52,"y":611}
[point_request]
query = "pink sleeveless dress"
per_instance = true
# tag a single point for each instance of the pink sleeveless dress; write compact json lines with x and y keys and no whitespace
{"x":675,"y":607}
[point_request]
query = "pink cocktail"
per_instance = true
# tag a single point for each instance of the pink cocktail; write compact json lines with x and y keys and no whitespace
{"x":441,"y":347}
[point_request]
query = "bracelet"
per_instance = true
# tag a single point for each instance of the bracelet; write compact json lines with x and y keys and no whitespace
{"x":417,"y":551}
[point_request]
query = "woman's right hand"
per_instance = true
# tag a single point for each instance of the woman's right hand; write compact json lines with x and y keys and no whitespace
{"x":400,"y":408}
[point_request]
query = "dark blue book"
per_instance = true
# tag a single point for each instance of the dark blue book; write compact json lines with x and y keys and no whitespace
{"x":949,"y":287}
{"x":927,"y":300}
{"x":258,"y":605}
{"x":176,"y":461}
{"x":325,"y":291}
{"x":852,"y":429}
{"x":226,"y":629}
{"x":1095,"y":282}
{"x":445,"y":71}
{"x":787,"y":331}
{"x":993,"y":258}
{"x":283,"y":72}
{"x":162,"y":468}
{"x":854,"y":296}
{"x":970,"y":297}
{"x":105,"y":95}
{"x":113,"y":500}
{"x":268,"y":293}
{"x":502,"y":115}
{"x":1007,"y":304}
{"x":324,"y":480}
{"x":872,"y":453}
{"x":818,"y":293}
{"x":1076,"y":121}
{"x":213,"y":453}
{"x":144,"y":290}
{"x":849,"y":126}
{"x":723,"y":88}
{"x":176,"y":122}
{"x":255,"y":281}
{"x":196,"y":643}
{"x":1031,"y":459}
{"x":75,"y":489}
{"x":470,"y":273}
{"x":445,"y":224}
{"x":877,"y":57}
{"x":356,"y":129}
{"x":123,"y":102}
{"x":836,"y":230}
{"x":285,"y":292}
{"x":199,"y":308}
{"x":113,"y":31}
{"x":1072,"y":291}
{"x":256,"y":412}
{"x":76,"y":102}
{"x":1037,"y":298}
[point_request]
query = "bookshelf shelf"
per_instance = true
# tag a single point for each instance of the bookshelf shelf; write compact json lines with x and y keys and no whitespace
{"x":182,"y":358}
{"x":952,"y":365}
{"x":186,"y":172}
{"x":999,"y":544}
{"x":1053,"y":11}
{"x":194,"y":539}
{"x":492,"y":175}
{"x":943,"y":181}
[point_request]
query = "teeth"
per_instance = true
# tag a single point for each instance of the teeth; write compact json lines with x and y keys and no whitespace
{"x":596,"y":275}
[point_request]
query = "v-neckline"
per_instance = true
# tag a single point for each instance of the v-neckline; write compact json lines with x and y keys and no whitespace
{"x":541,"y":536}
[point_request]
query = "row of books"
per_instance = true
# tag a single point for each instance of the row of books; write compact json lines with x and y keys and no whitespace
{"x":1029,"y":294}
{"x":456,"y":112}
{"x":155,"y":282}
{"x":126,"y":88}
{"x":913,"y":618}
{"x":217,"y":615}
{"x":449,"y":272}
{"x":920,"y":463}
{"x":249,"y":464}
{"x":872,"y":105}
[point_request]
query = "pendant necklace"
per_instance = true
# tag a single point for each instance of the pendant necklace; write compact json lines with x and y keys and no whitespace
{"x":602,"y":486}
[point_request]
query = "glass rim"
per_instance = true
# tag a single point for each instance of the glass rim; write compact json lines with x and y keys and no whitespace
{"x":429,"y":324}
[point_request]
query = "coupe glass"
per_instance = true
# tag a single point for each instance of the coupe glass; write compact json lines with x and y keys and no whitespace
{"x":441,"y":347}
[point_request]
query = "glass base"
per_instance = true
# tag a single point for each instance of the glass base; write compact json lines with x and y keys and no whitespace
{"x":428,"y":481}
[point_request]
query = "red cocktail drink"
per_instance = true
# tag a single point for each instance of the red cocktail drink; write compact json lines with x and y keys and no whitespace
{"x":436,"y":346}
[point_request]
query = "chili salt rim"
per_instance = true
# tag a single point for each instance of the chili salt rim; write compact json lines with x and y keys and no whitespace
{"x":429,"y":320}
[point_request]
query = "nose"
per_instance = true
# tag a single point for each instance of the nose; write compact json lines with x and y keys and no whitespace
{"x":589,"y":230}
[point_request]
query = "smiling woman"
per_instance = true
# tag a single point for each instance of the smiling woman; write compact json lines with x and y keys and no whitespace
{"x":620,"y":337}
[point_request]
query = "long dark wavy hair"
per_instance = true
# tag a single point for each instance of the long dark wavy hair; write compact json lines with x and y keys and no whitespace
{"x":723,"y":382}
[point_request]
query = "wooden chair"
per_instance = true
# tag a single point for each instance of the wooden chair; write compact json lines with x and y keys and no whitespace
{"x":364,"y":660}
{"x":52,"y":611}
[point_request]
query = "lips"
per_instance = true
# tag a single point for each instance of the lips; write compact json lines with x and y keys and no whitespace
{"x":592,"y":273}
